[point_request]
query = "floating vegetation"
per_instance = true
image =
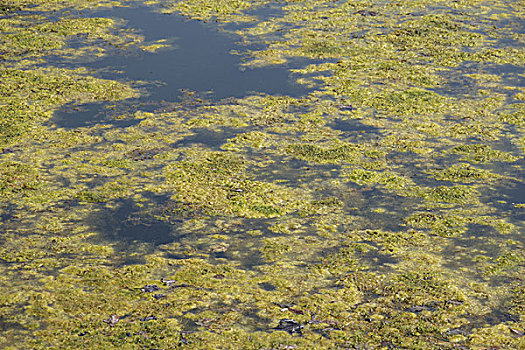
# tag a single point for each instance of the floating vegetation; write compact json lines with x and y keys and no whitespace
{"x":450,"y":194}
{"x":220,"y":186}
{"x":389,"y":180}
{"x":463,"y":172}
{"x":479,"y":153}
{"x":17,"y":178}
{"x":344,"y":153}
{"x":30,"y":96}
{"x":380,"y":209}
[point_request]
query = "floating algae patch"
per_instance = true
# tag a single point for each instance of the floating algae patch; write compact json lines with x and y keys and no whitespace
{"x":219,"y":184}
{"x":265,"y":221}
{"x":463,"y":172}
{"x":346,"y":152}
{"x":17,"y":178}
{"x":29,"y":96}
{"x":481,"y":153}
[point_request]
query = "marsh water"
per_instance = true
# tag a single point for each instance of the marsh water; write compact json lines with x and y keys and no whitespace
{"x":262,"y":175}
{"x":199,"y":59}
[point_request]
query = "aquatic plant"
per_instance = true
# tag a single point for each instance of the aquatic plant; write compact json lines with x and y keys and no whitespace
{"x":380,"y":209}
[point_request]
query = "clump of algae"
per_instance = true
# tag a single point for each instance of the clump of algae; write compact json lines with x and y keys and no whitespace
{"x":217,"y":182}
{"x":227,"y":11}
{"x":30,"y":96}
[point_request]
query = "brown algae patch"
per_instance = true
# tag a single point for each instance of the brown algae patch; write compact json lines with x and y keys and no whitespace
{"x":245,"y":252}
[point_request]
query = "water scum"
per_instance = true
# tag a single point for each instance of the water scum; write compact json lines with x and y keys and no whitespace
{"x":374,"y":212}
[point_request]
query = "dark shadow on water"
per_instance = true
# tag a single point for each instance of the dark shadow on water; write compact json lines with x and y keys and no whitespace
{"x":513,"y":192}
{"x":458,"y":83}
{"x":354,"y":130}
{"x":132,"y":229}
{"x":207,"y":137}
{"x":512,"y":75}
{"x":86,"y":115}
{"x":353,"y":125}
{"x":504,"y":197}
{"x":125,"y":224}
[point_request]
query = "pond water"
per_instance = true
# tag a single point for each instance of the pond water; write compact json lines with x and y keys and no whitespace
{"x":282,"y":175}
{"x":199,"y":59}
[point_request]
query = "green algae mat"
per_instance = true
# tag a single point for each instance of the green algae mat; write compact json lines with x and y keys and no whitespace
{"x":378,"y":206}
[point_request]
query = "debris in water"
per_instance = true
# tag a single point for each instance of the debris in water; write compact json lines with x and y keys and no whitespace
{"x":148,"y":288}
{"x":112,"y":320}
{"x":289,"y":326}
{"x":167,"y":283}
{"x":367,"y":13}
{"x":148,"y":318}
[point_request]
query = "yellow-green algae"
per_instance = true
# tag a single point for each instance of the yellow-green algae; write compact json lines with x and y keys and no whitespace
{"x":370,"y":239}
